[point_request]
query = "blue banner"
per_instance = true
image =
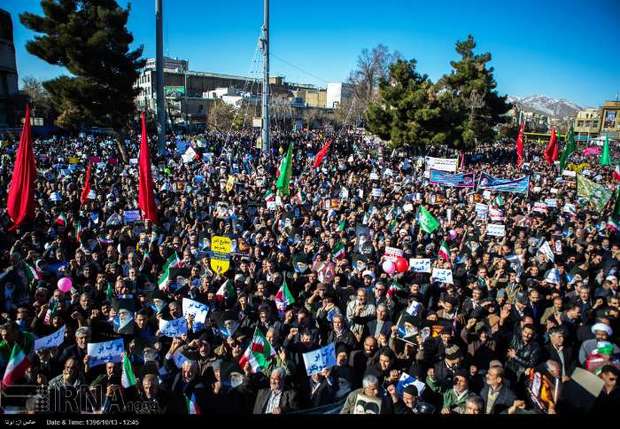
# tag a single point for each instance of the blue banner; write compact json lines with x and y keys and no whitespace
{"x":462,"y":180}
{"x":517,"y":186}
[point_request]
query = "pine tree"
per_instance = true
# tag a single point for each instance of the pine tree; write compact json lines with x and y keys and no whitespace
{"x":407,"y":112}
{"x":471,"y":106}
{"x":90,"y":39}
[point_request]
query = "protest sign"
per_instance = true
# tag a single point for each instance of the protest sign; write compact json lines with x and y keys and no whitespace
{"x":442,"y":164}
{"x":393,"y":252}
{"x":442,"y":275}
{"x":377,"y":192}
{"x":196,"y":309}
{"x":52,"y":340}
{"x":496,"y":215}
{"x":173,"y":328}
{"x":101,"y":353}
{"x":519,"y":186}
{"x":420,"y":265}
{"x":320,"y":359}
{"x":367,"y":405}
{"x":443,"y":178}
{"x":406,"y":380}
{"x":551,"y":202}
{"x":408,"y":208}
{"x":496,"y":230}
{"x":482,"y":211}
{"x":131,"y":216}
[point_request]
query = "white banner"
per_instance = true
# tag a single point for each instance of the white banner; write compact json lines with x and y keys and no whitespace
{"x":442,"y":275}
{"x":393,"y":252}
{"x":496,"y":230}
{"x":443,"y":164}
{"x":420,"y":265}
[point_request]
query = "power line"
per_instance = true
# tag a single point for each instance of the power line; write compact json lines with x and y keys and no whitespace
{"x":298,"y":68}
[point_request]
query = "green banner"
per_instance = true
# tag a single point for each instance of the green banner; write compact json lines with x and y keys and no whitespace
{"x":174,"y":91}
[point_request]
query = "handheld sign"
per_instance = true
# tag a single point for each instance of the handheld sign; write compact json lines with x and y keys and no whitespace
{"x":496,"y":230}
{"x":442,"y":275}
{"x":196,"y":309}
{"x":173,"y":328}
{"x":108,"y":351}
{"x":318,"y":360}
{"x":420,"y":265}
{"x":52,"y":340}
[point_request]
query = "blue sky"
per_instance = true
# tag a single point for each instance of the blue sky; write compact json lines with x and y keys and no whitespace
{"x":560,"y":48}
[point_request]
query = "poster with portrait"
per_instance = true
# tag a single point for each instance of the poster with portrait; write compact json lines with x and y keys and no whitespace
{"x":367,"y":405}
{"x":609,"y":120}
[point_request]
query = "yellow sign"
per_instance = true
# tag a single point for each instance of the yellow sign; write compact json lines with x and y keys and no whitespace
{"x":73,"y":160}
{"x":577,"y":167}
{"x":230,"y":183}
{"x":221,"y":245}
{"x":220,"y":266}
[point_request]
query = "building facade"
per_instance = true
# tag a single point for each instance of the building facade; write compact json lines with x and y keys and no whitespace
{"x":610,"y":120}
{"x":337,"y":94}
{"x":190,"y":93}
{"x":587,"y":123}
{"x":8,"y":72}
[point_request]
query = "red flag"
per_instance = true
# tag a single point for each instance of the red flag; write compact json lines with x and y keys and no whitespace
{"x":146,"y":199}
{"x":520,"y":145}
{"x":20,"y":200}
{"x":86,"y":188}
{"x":322,"y":153}
{"x":551,"y":152}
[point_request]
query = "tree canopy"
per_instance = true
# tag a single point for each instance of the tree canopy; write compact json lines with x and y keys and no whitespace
{"x":460,"y":110}
{"x":90,"y":39}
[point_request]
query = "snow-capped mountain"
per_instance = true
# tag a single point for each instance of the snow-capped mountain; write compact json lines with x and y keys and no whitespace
{"x":549,"y":106}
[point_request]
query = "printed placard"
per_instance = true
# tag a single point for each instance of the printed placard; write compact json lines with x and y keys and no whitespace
{"x":442,"y":275}
{"x":496,"y":230}
{"x":420,"y":265}
{"x":318,"y":360}
{"x":108,"y":351}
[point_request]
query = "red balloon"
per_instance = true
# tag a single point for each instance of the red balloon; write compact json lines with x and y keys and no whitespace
{"x":401,"y":264}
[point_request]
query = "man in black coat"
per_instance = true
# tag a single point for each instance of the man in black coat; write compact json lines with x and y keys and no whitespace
{"x":563,"y":354}
{"x":496,"y":395}
{"x":275,"y":399}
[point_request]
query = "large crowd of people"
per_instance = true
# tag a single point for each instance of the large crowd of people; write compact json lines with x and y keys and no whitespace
{"x":524,"y":320}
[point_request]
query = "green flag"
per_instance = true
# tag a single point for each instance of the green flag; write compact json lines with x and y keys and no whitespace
{"x":616,"y":213}
{"x":286,"y":169}
{"x":597,"y":195}
{"x":605,"y":156}
{"x":428,"y":223}
{"x":569,"y":149}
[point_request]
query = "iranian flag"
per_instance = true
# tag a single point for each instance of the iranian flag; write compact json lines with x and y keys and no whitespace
{"x":394,"y":288}
{"x":172,"y":262}
{"x":284,"y":297}
{"x":259,"y":352}
{"x":192,"y":405}
{"x":444,"y":251}
{"x":78,"y":231}
{"x":16,"y":368}
{"x":128,"y":378}
{"x":61,"y":220}
{"x":270,"y":197}
{"x":31,"y":273}
{"x":225,"y":291}
{"x":616,"y":173}
{"x":342,"y":225}
{"x":338,"y":251}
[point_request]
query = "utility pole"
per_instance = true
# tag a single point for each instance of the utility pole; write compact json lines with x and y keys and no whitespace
{"x":159,"y":70}
{"x":265,"y":49}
